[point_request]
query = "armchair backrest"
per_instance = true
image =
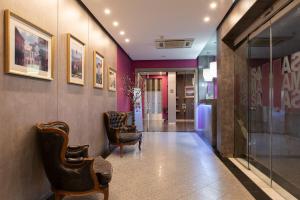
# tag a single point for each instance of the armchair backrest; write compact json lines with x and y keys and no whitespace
{"x":115,"y":119}
{"x":53,"y":143}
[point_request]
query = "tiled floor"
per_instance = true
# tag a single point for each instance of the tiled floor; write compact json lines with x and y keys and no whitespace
{"x":171,"y":166}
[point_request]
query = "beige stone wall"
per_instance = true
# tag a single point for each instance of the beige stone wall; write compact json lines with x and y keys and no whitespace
{"x":26,"y":101}
{"x":225,"y":59}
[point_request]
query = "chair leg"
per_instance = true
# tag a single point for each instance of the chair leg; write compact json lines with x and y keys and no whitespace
{"x":121,"y":150}
{"x":140,"y":144}
{"x":106,"y":193}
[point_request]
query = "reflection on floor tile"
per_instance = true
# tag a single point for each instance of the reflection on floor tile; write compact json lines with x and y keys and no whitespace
{"x":170,"y":166}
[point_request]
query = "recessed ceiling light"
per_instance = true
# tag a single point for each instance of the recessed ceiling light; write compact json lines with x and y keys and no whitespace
{"x":127,"y":40}
{"x":122,"y":32}
{"x":115,"y":23}
{"x":206,"y":19}
{"x":213,"y":5}
{"x":107,"y":11}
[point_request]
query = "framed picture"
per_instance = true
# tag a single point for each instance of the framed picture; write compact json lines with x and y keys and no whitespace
{"x":75,"y":60}
{"x":29,"y":50}
{"x":98,"y":70}
{"x":189,"y":91}
{"x":112,"y":80}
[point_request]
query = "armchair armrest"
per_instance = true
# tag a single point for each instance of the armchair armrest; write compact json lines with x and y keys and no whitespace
{"x":129,"y":128}
{"x":77,"y":151}
{"x":78,"y":160}
{"x":78,"y":147}
{"x":115,"y":134}
{"x":79,"y":176}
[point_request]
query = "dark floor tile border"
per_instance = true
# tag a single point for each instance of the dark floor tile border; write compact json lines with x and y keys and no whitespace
{"x":289,"y":187}
{"x":255,"y":191}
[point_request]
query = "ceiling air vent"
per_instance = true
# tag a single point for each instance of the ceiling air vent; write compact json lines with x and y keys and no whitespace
{"x":174,"y":44}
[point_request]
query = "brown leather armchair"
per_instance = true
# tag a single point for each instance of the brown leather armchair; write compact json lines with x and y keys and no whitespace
{"x":118,"y":132}
{"x":72,"y":151}
{"x":69,"y":169}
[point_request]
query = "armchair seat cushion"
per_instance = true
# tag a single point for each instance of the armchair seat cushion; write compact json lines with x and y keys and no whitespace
{"x":129,"y":137}
{"x":103,"y":170}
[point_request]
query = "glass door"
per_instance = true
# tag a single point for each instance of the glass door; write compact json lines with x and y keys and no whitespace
{"x":286,"y":102}
{"x":260,"y":103}
{"x":267,"y":136}
{"x":153,"y":99}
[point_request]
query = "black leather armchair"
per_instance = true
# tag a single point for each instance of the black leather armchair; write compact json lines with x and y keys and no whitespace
{"x":118,"y":132}
{"x":68,"y":169}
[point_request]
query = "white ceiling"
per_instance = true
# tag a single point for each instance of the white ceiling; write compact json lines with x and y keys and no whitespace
{"x":144,"y":21}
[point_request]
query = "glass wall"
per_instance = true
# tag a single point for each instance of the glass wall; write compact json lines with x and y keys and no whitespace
{"x":267,"y":102}
{"x":286,"y":101}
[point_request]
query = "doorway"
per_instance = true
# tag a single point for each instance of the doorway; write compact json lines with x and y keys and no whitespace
{"x":185,"y":97}
{"x":156,"y":100}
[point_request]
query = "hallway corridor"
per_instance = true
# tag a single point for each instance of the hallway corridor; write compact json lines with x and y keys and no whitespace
{"x":171,"y":166}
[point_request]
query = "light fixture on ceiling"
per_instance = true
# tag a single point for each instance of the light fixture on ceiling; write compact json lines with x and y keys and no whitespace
{"x":206,"y":19}
{"x":115,"y":23}
{"x":213,"y":5}
{"x":122,"y":32}
{"x":127,"y":40}
{"x":107,"y":11}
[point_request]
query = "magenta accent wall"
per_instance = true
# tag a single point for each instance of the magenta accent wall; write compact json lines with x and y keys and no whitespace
{"x":124,"y":67}
{"x":165,"y":63}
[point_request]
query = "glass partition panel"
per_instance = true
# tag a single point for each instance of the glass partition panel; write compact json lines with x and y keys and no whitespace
{"x":259,"y":104}
{"x":286,"y":112}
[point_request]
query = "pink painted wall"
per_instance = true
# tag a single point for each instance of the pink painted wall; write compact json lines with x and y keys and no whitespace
{"x":124,"y":67}
{"x":165,"y":64}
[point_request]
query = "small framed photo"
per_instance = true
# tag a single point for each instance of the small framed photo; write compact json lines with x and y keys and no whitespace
{"x":75,"y":60}
{"x":29,"y":50}
{"x":112,"y":80}
{"x":189,"y":91}
{"x":98,"y":70}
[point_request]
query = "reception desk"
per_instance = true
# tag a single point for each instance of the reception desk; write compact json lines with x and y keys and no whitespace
{"x":207,"y":120}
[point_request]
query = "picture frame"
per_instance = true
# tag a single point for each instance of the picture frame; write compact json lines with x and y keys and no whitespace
{"x":112,"y":79}
{"x":189,"y":92}
{"x":75,"y":60}
{"x":29,"y":49}
{"x":98,"y":70}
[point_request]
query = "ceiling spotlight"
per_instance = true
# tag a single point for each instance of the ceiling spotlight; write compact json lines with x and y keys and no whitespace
{"x":213,"y":5}
{"x":127,"y":40}
{"x":107,"y":11}
{"x":206,"y":19}
{"x":122,"y":33}
{"x":115,"y":23}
